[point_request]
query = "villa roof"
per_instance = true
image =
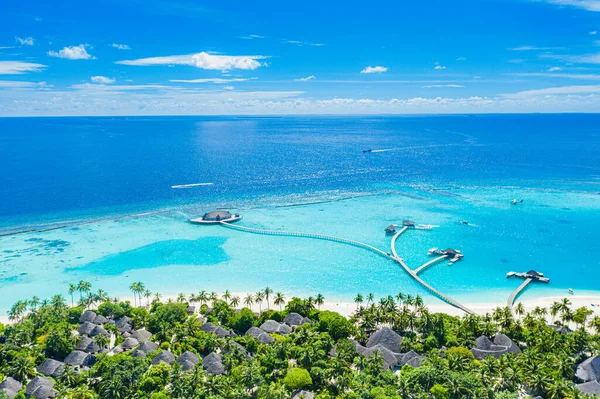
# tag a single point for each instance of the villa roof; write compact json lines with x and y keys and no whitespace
{"x":165,"y":357}
{"x":10,"y":387}
{"x":533,"y":273}
{"x":391,"y":227}
{"x":590,"y":388}
{"x":387,"y":338}
{"x":141,"y":335}
{"x":589,"y":369}
{"x":40,"y":388}
{"x":88,"y":315}
{"x":213,"y":364}
{"x":79,"y":358}
{"x":217,"y":215}
{"x":303,"y":395}
{"x":188,"y":360}
{"x":51,"y":368}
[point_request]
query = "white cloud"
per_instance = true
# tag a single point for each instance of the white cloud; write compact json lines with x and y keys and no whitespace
{"x":9,"y":84}
{"x":301,"y":43}
{"x":587,"y":59}
{"x":564,"y":90}
{"x":375,"y":69}
{"x":593,"y":32}
{"x":554,"y":69}
{"x":439,"y":67}
{"x":529,"y":48}
{"x":102,"y":79}
{"x":202,"y":60}
{"x":120,"y":46}
{"x":590,"y":5}
{"x":210,"y":80}
{"x":439,"y":86}
{"x":461,"y":59}
{"x":228,"y":87}
{"x":19,"y":67}
{"x":578,"y":76}
{"x":311,"y":77}
{"x":72,"y":53}
{"x":251,"y":37}
{"x":317,"y":44}
{"x":25,"y":41}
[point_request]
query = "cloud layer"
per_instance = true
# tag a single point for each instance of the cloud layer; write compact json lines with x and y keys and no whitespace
{"x":375,"y":69}
{"x":203,"y":60}
{"x":72,"y":53}
{"x":19,"y":67}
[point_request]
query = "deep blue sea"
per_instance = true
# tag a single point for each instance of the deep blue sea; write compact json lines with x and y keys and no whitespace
{"x":84,"y":173}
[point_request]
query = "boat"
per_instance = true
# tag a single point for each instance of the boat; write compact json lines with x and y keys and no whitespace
{"x":369,"y":150}
{"x":433,"y":251}
{"x":570,"y":291}
{"x":464,"y":222}
{"x":515,"y":202}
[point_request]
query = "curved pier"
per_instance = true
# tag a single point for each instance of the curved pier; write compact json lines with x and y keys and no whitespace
{"x":413,"y":274}
{"x":431,"y":262}
{"x":515,"y":293}
{"x":307,"y":235}
{"x":394,"y":255}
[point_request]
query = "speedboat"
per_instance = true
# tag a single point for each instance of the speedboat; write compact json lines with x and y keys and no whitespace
{"x":433,"y":251}
{"x":369,"y":150}
{"x":570,"y":291}
{"x":515,"y":202}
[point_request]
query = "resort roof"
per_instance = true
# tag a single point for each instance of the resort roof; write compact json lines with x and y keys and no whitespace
{"x":213,"y":364}
{"x":10,"y":387}
{"x":387,"y":338}
{"x":590,"y":388}
{"x":534,"y":273}
{"x":165,"y":357}
{"x":589,"y":369}
{"x":51,"y":368}
{"x":217,"y":215}
{"x":188,"y":360}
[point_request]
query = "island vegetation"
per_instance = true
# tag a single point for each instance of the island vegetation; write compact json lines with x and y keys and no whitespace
{"x":262,"y":346}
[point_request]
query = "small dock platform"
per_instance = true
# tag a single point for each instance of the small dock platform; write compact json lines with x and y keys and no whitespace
{"x":529,"y":277}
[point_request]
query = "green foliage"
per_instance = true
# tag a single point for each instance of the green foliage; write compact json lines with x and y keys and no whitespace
{"x":439,"y":392}
{"x":297,"y":378}
{"x":114,"y":310}
{"x":60,"y":342}
{"x":242,"y":321}
{"x":166,"y":316}
{"x":336,"y":325}
{"x":300,"y":306}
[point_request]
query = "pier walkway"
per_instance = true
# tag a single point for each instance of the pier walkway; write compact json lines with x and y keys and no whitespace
{"x":431,"y":262}
{"x":307,"y":235}
{"x":515,"y":293}
{"x":413,"y":274}
{"x":393,"y":256}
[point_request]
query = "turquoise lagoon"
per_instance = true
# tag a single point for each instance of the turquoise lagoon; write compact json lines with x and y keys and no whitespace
{"x":101,"y":188}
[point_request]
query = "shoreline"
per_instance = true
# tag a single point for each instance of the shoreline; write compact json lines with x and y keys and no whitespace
{"x":347,"y":309}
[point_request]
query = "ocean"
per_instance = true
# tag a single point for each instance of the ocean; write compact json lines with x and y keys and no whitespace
{"x":107,"y":200}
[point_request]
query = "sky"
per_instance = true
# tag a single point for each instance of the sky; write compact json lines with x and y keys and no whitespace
{"x":185,"y":57}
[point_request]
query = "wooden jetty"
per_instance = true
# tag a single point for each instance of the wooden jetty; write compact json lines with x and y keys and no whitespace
{"x":530,"y":276}
{"x":431,"y":262}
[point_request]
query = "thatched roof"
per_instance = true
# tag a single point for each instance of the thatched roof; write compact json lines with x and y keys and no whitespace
{"x":100,"y":320}
{"x":213,"y":364}
{"x":10,"y":387}
{"x":389,"y":359}
{"x":255,"y":332}
{"x":503,"y":340}
{"x":293,"y":319}
{"x":217,"y":215}
{"x":129,"y":343}
{"x":270,"y":326}
{"x":88,"y":316}
{"x":303,"y":395}
{"x":560,"y":329}
{"x":232,"y":346}
{"x":163,"y":356}
{"x":40,"y":388}
{"x":141,"y":335}
{"x":590,"y":387}
{"x":51,"y":368}
{"x":99,"y":330}
{"x":501,"y":345}
{"x":415,"y":361}
{"x":359,"y":348}
{"x":86,"y":328}
{"x":87,"y":344}
{"x":188,"y":360}
{"x":145,"y":348}
{"x":284,"y":329}
{"x":81,"y":359}
{"x":221,"y":332}
{"x":385,"y":337}
{"x":209,"y":327}
{"x":124,"y":324}
{"x":589,"y":369}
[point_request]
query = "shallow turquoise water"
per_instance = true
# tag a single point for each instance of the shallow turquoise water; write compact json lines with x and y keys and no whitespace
{"x":552,"y":231}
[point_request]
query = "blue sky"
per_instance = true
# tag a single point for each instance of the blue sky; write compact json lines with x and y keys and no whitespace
{"x":134,"y":57}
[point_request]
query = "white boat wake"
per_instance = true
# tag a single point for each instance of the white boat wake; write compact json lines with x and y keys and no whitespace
{"x":192,"y":185}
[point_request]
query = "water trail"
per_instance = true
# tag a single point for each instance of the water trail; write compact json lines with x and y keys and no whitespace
{"x":192,"y":185}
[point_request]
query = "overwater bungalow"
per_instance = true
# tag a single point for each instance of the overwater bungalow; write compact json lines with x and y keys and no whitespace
{"x":215,"y":217}
{"x":532,"y":274}
{"x":391,"y":229}
{"x":408,"y":223}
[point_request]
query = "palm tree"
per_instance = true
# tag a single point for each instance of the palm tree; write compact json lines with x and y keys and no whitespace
{"x":227,"y":295}
{"x":319,"y":300}
{"x":519,"y":309}
{"x":83,"y":287}
{"x":279,"y":300}
{"x":147,"y":295}
{"x":249,"y":300}
{"x":17,"y":311}
{"x":268,"y":291}
{"x":134,"y":289}
{"x":202,"y":297}
{"x":72,"y":289}
{"x":235,"y":301}
{"x":181,"y":297}
{"x":258,"y":298}
{"x":595,"y":324}
{"x":370,"y":298}
{"x":34,"y":303}
{"x":400,"y":298}
{"x":358,"y":300}
{"x":157,"y":297}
